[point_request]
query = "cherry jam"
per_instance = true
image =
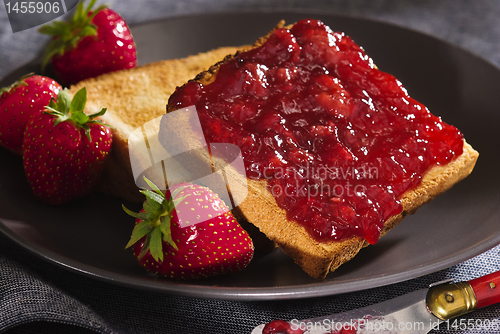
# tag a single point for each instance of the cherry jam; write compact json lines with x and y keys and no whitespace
{"x":338,"y":140}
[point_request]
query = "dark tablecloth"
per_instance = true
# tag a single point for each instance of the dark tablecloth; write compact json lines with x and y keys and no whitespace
{"x":37,"y":296}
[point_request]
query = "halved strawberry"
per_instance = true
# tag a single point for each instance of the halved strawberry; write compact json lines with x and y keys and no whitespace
{"x":91,"y":43}
{"x":18,"y":102}
{"x":188,"y":233}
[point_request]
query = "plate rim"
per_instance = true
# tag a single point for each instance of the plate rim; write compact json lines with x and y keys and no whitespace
{"x":318,"y":289}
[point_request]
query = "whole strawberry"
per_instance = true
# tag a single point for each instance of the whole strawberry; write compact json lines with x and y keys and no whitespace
{"x":64,"y":150}
{"x":18,"y":102}
{"x":188,"y":233}
{"x":91,"y":43}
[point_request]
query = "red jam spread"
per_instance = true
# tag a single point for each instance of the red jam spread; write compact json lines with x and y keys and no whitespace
{"x":338,"y":140}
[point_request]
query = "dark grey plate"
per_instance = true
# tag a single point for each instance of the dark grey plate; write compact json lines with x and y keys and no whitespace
{"x":89,"y":237}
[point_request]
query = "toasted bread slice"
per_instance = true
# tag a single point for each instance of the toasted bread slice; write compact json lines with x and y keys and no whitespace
{"x":132,"y":98}
{"x":260,"y":208}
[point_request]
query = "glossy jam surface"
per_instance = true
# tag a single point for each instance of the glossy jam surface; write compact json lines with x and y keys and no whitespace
{"x":338,"y":140}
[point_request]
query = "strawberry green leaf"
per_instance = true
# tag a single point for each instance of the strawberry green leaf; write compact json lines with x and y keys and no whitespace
{"x":153,"y":196}
{"x":79,"y":100}
{"x":145,"y":248}
{"x":80,"y":11}
{"x":63,"y":101}
{"x":97,"y":114}
{"x":155,"y":245}
{"x":49,"y":30}
{"x":61,"y":27}
{"x":56,"y":47}
{"x":79,"y":117}
{"x":167,"y":232}
{"x":89,"y":7}
{"x":140,"y":215}
{"x":86,"y":129}
{"x":153,"y":186}
{"x":89,"y":30}
{"x":151,"y":205}
{"x":52,"y":104}
{"x":154,"y":208}
{"x":60,"y":116}
{"x":140,"y":231}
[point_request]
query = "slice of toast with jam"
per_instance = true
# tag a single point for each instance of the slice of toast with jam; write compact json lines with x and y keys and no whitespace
{"x":336,"y":151}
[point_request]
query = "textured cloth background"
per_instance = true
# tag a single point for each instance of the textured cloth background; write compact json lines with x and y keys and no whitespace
{"x":39,"y":297}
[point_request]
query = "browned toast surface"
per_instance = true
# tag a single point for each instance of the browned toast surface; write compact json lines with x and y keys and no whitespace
{"x":319,"y":258}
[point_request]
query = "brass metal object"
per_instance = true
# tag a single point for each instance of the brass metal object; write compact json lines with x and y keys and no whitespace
{"x":448,"y":301}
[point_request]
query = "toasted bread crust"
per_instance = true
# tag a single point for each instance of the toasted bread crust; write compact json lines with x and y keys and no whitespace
{"x":319,"y":258}
{"x":132,"y":98}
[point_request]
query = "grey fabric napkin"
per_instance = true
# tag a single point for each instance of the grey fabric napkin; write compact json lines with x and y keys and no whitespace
{"x":28,"y":298}
{"x":37,"y":296}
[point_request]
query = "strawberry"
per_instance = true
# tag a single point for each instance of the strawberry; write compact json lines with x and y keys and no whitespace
{"x":281,"y":327}
{"x":25,"y":97}
{"x":89,"y":44}
{"x":64,"y":150}
{"x":188,"y":232}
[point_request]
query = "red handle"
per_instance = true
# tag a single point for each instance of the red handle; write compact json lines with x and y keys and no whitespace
{"x":487,"y":289}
